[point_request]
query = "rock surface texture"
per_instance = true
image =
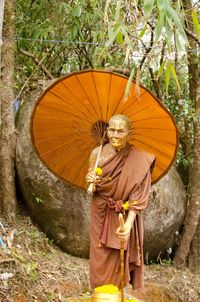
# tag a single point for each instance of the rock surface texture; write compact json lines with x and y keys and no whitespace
{"x":164,"y":216}
{"x":62,"y":211}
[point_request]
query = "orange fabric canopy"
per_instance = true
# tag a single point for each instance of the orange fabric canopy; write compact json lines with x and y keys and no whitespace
{"x":68,"y":112}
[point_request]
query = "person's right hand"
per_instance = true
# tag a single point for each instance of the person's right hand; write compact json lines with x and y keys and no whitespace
{"x":91,"y":177}
{"x":124,"y":234}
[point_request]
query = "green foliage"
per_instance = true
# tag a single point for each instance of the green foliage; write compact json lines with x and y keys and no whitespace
{"x":35,"y":235}
{"x":196,"y":22}
{"x":137,"y":35}
{"x":39,"y":200}
{"x":115,"y":29}
{"x":69,"y":23}
{"x":31,"y":270}
{"x":170,"y":70}
{"x":148,"y":7}
{"x":167,"y":262}
{"x":51,"y":296}
{"x":169,"y":19}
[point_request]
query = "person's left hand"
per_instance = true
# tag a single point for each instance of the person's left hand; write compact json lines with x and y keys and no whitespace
{"x":124,"y":234}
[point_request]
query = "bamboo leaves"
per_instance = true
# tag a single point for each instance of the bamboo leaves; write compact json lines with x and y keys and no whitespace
{"x":148,"y":7}
{"x":113,"y":32}
{"x":168,"y":19}
{"x":170,"y":70}
{"x":196,"y":22}
{"x":129,"y":83}
{"x":118,"y":33}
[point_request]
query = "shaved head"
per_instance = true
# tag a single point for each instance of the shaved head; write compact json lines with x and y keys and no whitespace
{"x":121,"y":117}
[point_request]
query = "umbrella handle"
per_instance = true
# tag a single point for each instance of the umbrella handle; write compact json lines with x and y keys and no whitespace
{"x":91,"y":185}
{"x":90,"y":188}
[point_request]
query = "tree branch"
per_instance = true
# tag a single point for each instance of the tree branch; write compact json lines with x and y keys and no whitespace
{"x":147,"y":49}
{"x":123,"y":71}
{"x":37,"y":61}
{"x":155,"y":83}
{"x":192,"y":35}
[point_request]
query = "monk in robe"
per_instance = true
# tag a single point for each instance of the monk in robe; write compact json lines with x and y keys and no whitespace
{"x":123,"y":186}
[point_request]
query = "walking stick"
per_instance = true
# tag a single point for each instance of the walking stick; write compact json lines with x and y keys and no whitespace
{"x":121,"y":224}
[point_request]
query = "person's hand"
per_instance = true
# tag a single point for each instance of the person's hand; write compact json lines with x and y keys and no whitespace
{"x":124,"y":234}
{"x":91,"y":177}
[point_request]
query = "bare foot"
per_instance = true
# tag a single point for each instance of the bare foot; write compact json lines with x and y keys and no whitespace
{"x":140,"y":294}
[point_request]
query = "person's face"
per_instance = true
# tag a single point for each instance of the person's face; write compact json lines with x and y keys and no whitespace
{"x":118,"y":133}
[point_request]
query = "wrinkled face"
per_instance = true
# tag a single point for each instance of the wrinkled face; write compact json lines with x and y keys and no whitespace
{"x":118,"y":132}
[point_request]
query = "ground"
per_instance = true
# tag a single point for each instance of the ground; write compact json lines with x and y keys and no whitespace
{"x":33,"y":269}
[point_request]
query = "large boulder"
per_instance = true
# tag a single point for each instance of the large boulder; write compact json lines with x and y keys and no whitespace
{"x":164,"y":216}
{"x":62,"y":210}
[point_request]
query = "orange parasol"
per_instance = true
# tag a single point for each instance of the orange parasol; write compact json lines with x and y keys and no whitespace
{"x":70,"y":116}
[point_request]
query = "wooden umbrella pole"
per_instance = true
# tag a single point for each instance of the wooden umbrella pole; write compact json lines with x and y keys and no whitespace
{"x":90,"y":188}
{"x":121,"y":223}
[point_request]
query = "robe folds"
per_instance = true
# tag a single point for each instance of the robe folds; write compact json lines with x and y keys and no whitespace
{"x":126,"y":177}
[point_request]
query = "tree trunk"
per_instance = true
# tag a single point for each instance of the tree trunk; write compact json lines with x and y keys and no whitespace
{"x":194,"y":254}
{"x":1,"y":24}
{"x":1,"y":42}
{"x":193,"y":209}
{"x":7,"y":134}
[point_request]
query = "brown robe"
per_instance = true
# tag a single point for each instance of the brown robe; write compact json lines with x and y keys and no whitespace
{"x":126,"y":177}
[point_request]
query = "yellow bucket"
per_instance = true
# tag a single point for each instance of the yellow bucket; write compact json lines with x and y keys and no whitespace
{"x":106,"y":297}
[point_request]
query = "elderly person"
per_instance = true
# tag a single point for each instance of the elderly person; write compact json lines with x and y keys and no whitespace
{"x":123,"y":186}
